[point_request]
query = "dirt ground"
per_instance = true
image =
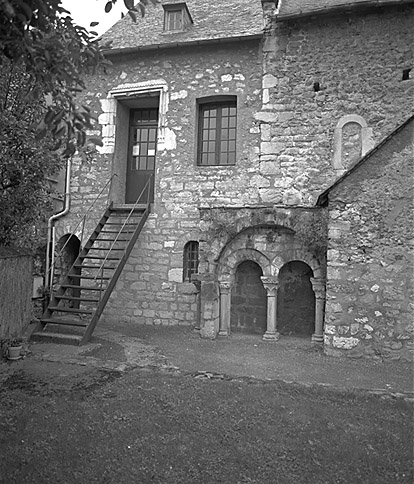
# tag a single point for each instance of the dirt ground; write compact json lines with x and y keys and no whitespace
{"x":289,"y":359}
{"x":144,"y":404}
{"x":160,"y":426}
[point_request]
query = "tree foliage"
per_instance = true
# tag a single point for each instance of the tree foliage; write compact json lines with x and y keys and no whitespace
{"x":25,"y":162}
{"x":43,"y":57}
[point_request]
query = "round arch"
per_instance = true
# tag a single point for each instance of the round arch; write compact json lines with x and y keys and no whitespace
{"x":227,"y":269}
{"x":296,"y":299}
{"x":68,"y":248}
{"x":300,"y":255}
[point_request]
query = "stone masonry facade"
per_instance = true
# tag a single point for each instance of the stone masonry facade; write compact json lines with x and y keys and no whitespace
{"x":369,"y":309}
{"x":313,"y":95}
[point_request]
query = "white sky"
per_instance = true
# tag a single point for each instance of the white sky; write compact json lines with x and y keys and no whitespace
{"x":86,"y":11}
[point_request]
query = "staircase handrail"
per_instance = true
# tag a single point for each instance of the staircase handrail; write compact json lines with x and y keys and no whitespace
{"x":81,"y":220}
{"x":101,"y":268}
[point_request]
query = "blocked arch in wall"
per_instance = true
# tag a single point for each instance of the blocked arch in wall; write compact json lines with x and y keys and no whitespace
{"x":367,"y":143}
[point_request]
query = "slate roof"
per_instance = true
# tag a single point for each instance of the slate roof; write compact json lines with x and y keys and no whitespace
{"x":301,"y":8}
{"x":323,"y":197}
{"x":212,"y":21}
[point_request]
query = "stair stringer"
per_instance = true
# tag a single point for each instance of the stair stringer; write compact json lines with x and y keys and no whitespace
{"x":108,"y":291}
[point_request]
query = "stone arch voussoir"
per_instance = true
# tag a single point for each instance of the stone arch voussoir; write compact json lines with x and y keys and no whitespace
{"x":227,"y":268}
{"x":296,"y":254}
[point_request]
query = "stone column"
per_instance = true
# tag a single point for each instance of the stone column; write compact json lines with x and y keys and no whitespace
{"x":271,"y":285}
{"x":318,"y":286}
{"x":197,"y":285}
{"x":225,"y":303}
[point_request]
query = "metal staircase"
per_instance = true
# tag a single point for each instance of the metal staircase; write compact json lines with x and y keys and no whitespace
{"x":75,"y":308}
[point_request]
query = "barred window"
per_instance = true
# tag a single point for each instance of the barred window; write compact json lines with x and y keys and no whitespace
{"x":217,"y":132}
{"x":190,"y":263}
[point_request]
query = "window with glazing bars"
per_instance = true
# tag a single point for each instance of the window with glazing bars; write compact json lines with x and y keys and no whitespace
{"x":173,"y":20}
{"x":190,"y":264}
{"x":217,"y":133}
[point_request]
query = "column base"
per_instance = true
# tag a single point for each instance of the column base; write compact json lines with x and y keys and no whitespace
{"x":271,"y":336}
{"x":317,"y":338}
{"x":224,"y":332}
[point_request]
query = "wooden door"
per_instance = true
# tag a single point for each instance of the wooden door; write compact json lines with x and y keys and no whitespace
{"x":141,"y":155}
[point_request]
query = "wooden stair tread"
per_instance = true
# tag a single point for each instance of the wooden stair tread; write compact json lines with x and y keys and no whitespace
{"x":63,"y":309}
{"x":80,"y":276}
{"x":116,"y":231}
{"x":65,"y":322}
{"x":99,"y":257}
{"x":74,"y":298}
{"x":90,"y":266}
{"x":71,"y":339}
{"x":82,"y":288}
{"x":127,"y":208}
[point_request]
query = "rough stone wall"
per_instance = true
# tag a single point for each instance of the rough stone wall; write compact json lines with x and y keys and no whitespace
{"x":150,"y":289}
{"x":369,"y":308}
{"x":358,"y":60}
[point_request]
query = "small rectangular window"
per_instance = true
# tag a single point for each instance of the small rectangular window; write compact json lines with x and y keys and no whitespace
{"x":190,"y":263}
{"x":176,"y":17}
{"x":217,"y":133}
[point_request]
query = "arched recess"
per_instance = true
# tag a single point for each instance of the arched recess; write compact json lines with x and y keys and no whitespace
{"x":296,"y":300}
{"x":365,"y":135}
{"x":227,"y":267}
{"x":68,"y":248}
{"x":248,"y":312}
{"x":297,"y":254}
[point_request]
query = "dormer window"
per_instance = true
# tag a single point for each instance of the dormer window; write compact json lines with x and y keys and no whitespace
{"x":176,"y":17}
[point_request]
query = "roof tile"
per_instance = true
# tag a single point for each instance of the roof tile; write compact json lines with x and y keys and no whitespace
{"x":288,"y":8}
{"x":219,"y":20}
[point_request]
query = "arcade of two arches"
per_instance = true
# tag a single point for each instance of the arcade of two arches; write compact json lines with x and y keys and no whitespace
{"x":268,"y":281}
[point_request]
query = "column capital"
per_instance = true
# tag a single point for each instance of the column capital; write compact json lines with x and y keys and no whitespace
{"x":225,"y":287}
{"x":271,"y":284}
{"x":319,"y":287}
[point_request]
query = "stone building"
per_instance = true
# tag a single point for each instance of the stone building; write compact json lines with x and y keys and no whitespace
{"x":370,"y":258}
{"x":240,"y":115}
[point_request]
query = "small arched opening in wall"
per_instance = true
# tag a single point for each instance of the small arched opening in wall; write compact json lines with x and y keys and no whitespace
{"x":248,"y":300}
{"x":352,"y":140}
{"x":296,"y":300}
{"x":67,"y":249}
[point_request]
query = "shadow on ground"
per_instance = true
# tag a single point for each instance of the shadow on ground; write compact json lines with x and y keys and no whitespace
{"x":289,"y":359}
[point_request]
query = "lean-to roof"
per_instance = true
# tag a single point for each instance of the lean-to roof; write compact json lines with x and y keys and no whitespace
{"x":301,"y":8}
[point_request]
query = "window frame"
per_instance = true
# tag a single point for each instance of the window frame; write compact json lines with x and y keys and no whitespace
{"x":218,"y":102}
{"x":174,"y":8}
{"x":190,"y":264}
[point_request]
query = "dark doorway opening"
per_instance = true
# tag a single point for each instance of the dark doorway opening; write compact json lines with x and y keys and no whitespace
{"x":248,"y":300}
{"x":68,"y":249}
{"x":296,"y":300}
